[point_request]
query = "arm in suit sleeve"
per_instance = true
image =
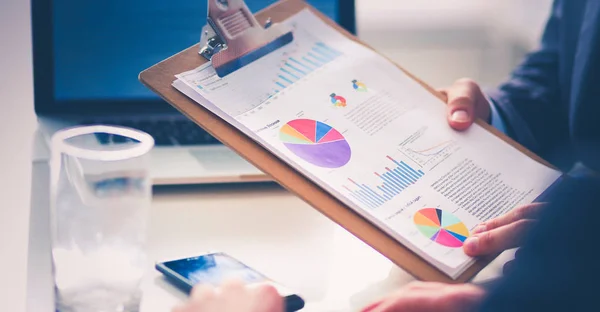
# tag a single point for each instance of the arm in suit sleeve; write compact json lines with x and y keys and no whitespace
{"x":557,"y":267}
{"x":529,"y":101}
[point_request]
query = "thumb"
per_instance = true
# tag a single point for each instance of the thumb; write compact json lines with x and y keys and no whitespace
{"x":462,"y":98}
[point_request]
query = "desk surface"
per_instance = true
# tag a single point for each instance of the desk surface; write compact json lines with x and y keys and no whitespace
{"x":261,"y":224}
{"x":273,"y":232}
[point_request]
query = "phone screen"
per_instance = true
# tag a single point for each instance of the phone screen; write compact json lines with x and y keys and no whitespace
{"x":214,"y":269}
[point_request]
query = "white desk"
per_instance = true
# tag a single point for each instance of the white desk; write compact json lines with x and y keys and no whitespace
{"x":263,"y":225}
{"x":273,"y":232}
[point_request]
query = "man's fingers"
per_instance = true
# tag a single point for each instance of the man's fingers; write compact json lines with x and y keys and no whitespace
{"x":203,"y":293}
{"x":418,"y":300}
{"x":462,"y":98}
{"x":232,"y":287}
{"x":436,"y":298}
{"x":203,"y":298}
{"x":371,"y":307}
{"x":499,"y":239}
{"x":399,"y":297}
{"x":268,"y":298}
{"x":531,"y":211}
{"x":418,"y":285}
{"x":180,"y":308}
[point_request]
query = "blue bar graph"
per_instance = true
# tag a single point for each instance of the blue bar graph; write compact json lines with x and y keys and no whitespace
{"x":401,"y":176}
{"x":301,"y":64}
{"x":313,"y":63}
{"x":328,"y":49}
{"x":286,"y":79}
{"x":368,"y":199}
{"x":361,"y":199}
{"x":324,"y":53}
{"x":318,"y":58}
{"x":296,"y":77}
{"x":301,"y":72}
{"x":407,"y":173}
{"x":393,"y":182}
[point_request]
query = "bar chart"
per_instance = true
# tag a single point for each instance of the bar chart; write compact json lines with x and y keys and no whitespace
{"x":257,"y":83}
{"x":293,"y":68}
{"x":393,"y":181}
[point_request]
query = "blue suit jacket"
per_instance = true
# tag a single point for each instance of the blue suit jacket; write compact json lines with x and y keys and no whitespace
{"x":557,"y":268}
{"x":551,"y":104}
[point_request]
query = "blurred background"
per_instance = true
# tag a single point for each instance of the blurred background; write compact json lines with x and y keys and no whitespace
{"x":438,"y":40}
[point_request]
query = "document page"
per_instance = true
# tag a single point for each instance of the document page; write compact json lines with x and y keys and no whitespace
{"x":367,"y":133}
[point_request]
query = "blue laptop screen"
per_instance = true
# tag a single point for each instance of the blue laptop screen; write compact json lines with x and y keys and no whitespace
{"x":100,"y":47}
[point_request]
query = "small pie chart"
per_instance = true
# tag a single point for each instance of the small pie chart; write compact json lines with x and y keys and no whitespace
{"x":441,"y":227}
{"x":337,"y":100}
{"x":316,"y":143}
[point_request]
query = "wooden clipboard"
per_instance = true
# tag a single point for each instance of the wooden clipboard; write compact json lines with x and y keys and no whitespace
{"x":159,"y":79}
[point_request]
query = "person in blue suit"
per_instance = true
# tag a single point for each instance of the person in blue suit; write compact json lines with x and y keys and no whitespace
{"x":551,"y":105}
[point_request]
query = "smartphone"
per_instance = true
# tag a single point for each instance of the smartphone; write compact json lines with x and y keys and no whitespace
{"x":214,"y":269}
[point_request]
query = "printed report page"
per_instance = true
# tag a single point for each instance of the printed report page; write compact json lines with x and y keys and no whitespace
{"x":373,"y":137}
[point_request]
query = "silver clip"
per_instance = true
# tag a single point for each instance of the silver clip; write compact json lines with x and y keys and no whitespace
{"x":233,"y":38}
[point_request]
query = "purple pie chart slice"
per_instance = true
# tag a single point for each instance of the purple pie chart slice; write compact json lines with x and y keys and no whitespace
{"x":327,"y":155}
{"x":327,"y":148}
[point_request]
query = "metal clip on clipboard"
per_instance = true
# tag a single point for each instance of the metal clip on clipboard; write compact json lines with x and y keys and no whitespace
{"x":232,"y":37}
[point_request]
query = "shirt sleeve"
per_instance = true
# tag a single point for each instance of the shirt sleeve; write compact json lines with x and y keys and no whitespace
{"x":533,"y":88}
{"x":496,"y":119}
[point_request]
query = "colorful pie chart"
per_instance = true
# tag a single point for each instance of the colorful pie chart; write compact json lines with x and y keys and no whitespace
{"x":359,"y":86}
{"x":441,"y":227}
{"x":316,"y":143}
{"x":337,"y":101}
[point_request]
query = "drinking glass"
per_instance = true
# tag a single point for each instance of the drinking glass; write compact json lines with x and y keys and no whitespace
{"x":100,"y":201}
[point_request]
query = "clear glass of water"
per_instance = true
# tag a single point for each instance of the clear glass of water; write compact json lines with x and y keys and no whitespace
{"x":100,"y":202}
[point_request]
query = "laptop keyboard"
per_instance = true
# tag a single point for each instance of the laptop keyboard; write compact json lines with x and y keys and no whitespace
{"x":181,"y":132}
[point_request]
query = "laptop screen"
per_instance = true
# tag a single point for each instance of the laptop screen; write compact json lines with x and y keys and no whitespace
{"x":100,"y":47}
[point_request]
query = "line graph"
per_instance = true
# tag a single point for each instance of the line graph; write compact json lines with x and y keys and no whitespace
{"x":425,"y":150}
{"x":434,"y":150}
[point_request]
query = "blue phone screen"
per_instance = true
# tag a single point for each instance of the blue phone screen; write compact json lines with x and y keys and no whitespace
{"x":214,"y":269}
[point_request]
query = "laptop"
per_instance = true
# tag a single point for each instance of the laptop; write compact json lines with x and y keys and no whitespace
{"x":87,"y":56}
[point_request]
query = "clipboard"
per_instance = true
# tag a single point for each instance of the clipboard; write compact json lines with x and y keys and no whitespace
{"x":159,"y":78}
